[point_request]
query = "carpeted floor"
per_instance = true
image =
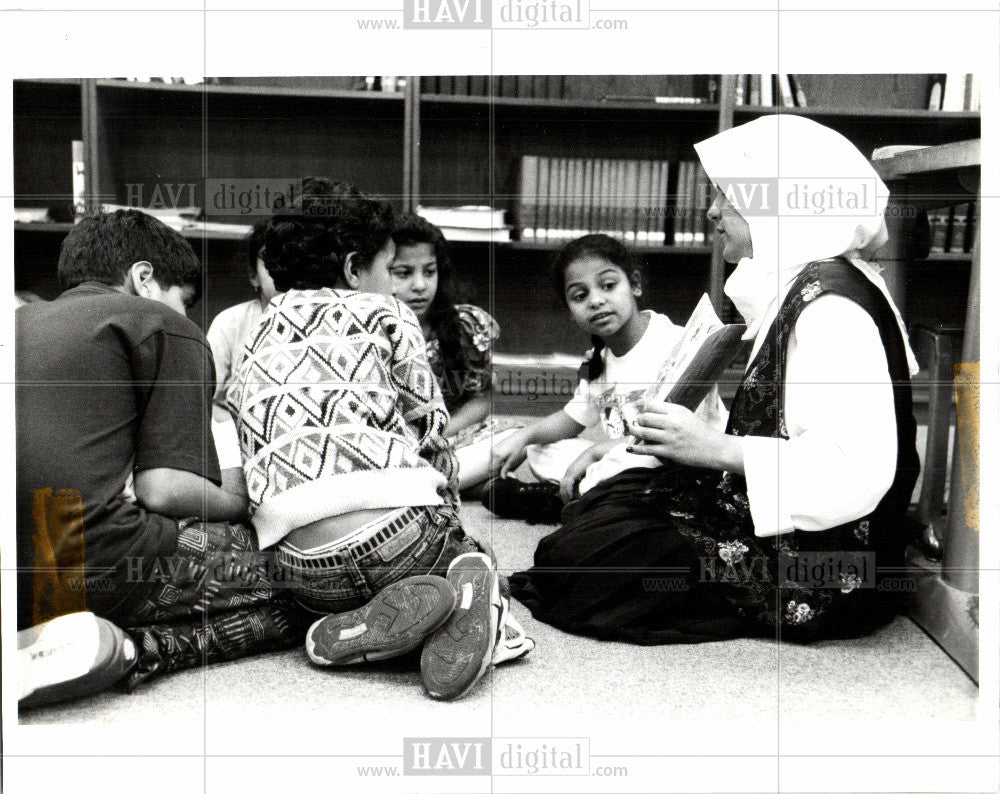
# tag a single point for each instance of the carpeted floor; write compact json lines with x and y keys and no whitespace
{"x":897,"y":674}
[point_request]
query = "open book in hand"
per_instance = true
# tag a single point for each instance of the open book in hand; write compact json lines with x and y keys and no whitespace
{"x":700,"y":357}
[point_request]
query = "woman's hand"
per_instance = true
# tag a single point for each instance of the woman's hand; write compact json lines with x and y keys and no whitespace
{"x":672,"y":432}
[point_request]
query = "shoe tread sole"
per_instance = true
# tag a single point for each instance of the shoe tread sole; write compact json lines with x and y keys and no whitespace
{"x":394,"y":622}
{"x":457,"y":655}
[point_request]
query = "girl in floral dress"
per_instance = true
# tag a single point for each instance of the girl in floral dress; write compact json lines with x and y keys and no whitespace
{"x":789,"y":523}
{"x":460,"y":339}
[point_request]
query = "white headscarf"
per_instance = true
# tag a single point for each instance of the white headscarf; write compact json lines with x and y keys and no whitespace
{"x":814,"y":196}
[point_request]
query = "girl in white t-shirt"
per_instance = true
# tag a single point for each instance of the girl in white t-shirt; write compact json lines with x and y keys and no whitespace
{"x":227,"y":337}
{"x":600,"y":283}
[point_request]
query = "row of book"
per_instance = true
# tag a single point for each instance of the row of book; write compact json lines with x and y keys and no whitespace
{"x":640,"y":202}
{"x":953,"y":229}
{"x":544,"y":86}
{"x":770,"y":90}
{"x":662,"y":89}
{"x":953,"y":92}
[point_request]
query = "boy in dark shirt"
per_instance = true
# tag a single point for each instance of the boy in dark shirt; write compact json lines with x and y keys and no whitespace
{"x":121,"y":507}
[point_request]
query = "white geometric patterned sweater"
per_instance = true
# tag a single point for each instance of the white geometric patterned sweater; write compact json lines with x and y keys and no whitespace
{"x":338,"y":410}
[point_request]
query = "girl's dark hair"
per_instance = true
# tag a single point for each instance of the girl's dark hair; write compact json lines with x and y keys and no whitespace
{"x":603,"y":247}
{"x":305,"y":246}
{"x":255,"y":242}
{"x":442,"y":316}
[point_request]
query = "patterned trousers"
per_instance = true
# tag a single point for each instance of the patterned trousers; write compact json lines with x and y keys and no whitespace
{"x":216,"y":599}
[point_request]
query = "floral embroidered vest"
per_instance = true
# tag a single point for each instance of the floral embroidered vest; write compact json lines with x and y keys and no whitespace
{"x":858,"y":558}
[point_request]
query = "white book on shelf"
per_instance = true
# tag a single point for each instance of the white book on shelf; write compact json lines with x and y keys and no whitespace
{"x":937,"y":89}
{"x":587,"y":218}
{"x":885,"y":152}
{"x":630,"y":200}
{"x":469,"y":216}
{"x":644,"y":205}
{"x":785,"y":89}
{"x":31,"y":215}
{"x":618,"y":200}
{"x":465,"y":234}
{"x":661,"y":176}
{"x":972,"y":92}
{"x":528,"y":208}
{"x":218,"y":230}
{"x":702,"y":191}
{"x":165,"y":214}
{"x":573,"y":184}
{"x":79,"y":180}
{"x":766,"y":91}
{"x":954,"y":92}
{"x":604,"y":197}
{"x":544,"y":198}
{"x":557,"y":218}
{"x":679,"y":209}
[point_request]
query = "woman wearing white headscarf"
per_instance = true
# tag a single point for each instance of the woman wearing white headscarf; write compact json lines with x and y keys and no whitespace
{"x":791,"y":520}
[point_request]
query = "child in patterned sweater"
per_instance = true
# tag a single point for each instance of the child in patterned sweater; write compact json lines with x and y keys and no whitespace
{"x":340,"y":422}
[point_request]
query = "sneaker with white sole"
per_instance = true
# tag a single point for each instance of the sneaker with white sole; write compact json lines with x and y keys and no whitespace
{"x":70,"y":657}
{"x":457,"y":655}
{"x":513,"y":642}
{"x":395,"y":621}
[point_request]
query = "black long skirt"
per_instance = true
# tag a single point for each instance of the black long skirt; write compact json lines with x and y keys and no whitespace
{"x":620,"y":568}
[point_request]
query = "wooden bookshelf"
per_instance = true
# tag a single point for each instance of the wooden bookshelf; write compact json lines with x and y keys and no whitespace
{"x":416,"y":146}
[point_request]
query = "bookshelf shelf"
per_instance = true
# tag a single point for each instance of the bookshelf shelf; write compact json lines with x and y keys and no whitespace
{"x":707,"y":109}
{"x":253,"y":91}
{"x":902,"y":114}
{"x":641,"y":250}
{"x":938,"y":176}
{"x":51,"y":81}
{"x":933,"y":160}
{"x":944,"y":257}
{"x":49,"y":227}
{"x":45,"y":227}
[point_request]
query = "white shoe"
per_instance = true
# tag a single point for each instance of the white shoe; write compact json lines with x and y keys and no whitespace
{"x":71,"y":656}
{"x":513,"y":643}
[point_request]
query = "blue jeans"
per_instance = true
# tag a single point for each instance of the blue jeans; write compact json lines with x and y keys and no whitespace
{"x":411,"y":542}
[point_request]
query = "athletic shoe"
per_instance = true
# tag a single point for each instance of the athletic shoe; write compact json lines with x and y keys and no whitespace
{"x":534,"y":502}
{"x":512,"y":643}
{"x":459,"y":653}
{"x":395,"y":621}
{"x":71,"y":656}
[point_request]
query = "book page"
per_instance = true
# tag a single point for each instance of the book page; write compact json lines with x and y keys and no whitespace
{"x":706,"y":347}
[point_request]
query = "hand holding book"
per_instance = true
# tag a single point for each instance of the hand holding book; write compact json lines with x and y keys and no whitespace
{"x":672,"y":432}
{"x":662,"y":421}
{"x":704,"y":351}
